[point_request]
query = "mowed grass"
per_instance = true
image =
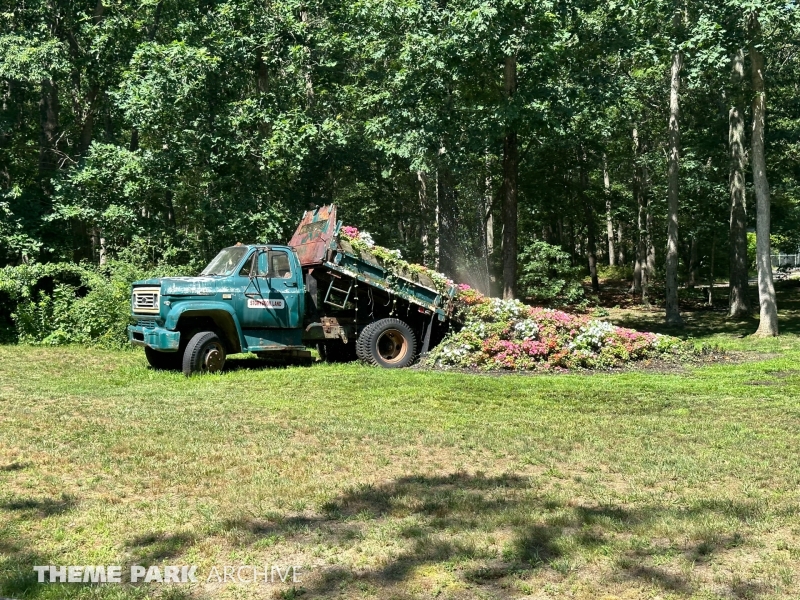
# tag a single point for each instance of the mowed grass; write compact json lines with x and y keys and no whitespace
{"x":681,"y":483}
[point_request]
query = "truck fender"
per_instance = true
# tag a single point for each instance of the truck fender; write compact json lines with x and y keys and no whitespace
{"x":222,"y":314}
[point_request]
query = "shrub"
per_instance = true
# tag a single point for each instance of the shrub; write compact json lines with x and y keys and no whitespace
{"x":547,"y":275}
{"x":63,"y":303}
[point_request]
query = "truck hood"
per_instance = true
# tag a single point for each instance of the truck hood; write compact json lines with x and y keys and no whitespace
{"x":182,"y":286}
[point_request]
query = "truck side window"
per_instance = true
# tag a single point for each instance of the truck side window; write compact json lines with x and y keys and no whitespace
{"x":248,"y":264}
{"x":279,"y":266}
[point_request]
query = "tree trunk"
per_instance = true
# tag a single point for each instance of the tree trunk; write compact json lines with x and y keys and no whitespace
{"x":448,"y":217}
{"x":651,"y":247}
{"x":621,"y":242}
{"x":423,"y":205}
{"x":48,"y":136}
{"x":612,"y":255}
{"x":103,"y":250}
{"x":510,"y":167}
{"x":99,"y":245}
{"x":640,"y":266}
{"x":711,"y":272}
{"x":673,"y":312}
{"x":693,"y":263}
{"x":436,"y":228}
{"x":644,"y":246}
{"x":738,"y":302}
{"x":768,"y":325}
{"x":649,"y":264}
{"x":307,"y":54}
{"x":488,"y":226}
{"x":170,"y":206}
{"x":262,"y":75}
{"x":87,"y":130}
{"x":591,"y":247}
{"x":591,"y":225}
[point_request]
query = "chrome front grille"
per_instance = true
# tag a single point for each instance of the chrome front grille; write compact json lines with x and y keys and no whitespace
{"x":145,"y":300}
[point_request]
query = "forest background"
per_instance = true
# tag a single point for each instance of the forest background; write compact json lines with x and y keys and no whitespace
{"x":512,"y":145}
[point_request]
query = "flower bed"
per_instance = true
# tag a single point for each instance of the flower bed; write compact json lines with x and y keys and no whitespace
{"x":510,"y":335}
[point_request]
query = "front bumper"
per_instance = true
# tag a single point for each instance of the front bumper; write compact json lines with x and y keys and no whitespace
{"x":156,"y":338}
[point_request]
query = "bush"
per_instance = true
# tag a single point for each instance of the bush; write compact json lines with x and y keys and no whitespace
{"x":65,"y":303}
{"x":547,"y":275}
{"x":619,"y":272}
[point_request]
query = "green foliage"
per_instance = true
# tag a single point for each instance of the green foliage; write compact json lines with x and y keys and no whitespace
{"x":64,"y":303}
{"x":751,"y":249}
{"x":547,"y":274}
{"x":178,"y":128}
{"x":615,"y":272}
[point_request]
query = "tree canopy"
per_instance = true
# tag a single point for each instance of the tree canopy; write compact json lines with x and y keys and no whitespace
{"x":176,"y":128}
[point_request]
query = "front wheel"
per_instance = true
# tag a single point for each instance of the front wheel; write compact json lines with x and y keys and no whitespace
{"x":205,"y":353}
{"x":388,"y":343}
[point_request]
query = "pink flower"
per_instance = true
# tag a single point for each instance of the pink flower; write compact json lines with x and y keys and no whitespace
{"x":349,"y":231}
{"x":534,"y":348}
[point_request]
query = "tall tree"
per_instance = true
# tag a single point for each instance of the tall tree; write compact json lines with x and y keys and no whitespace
{"x":768,"y":325}
{"x":738,"y":303}
{"x":591,"y":219}
{"x":510,"y":170}
{"x":673,"y":312}
{"x":612,"y":255}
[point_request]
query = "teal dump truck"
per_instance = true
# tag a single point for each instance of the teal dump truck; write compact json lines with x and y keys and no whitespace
{"x":277,"y":301}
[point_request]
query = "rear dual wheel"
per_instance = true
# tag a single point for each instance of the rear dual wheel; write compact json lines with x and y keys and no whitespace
{"x":388,"y":343}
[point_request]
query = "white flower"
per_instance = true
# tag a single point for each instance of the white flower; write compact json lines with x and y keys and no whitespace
{"x":592,"y":336}
{"x":527,"y":329}
{"x":367,"y":239}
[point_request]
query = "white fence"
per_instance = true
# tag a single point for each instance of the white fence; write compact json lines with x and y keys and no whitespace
{"x":785,"y":260}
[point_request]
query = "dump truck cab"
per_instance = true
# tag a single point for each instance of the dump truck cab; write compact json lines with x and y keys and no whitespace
{"x":250,"y":298}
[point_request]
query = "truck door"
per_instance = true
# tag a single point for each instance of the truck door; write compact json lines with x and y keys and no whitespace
{"x":273,"y":297}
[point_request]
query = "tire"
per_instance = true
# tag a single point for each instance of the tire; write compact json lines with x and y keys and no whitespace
{"x":205,"y":353}
{"x":361,"y":343}
{"x":361,"y":346}
{"x":162,"y":361}
{"x":389,"y":343}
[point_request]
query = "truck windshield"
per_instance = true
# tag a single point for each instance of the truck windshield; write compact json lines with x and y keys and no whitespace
{"x":226,"y":261}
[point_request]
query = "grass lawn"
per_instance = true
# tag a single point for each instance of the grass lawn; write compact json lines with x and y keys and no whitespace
{"x":408,"y":484}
